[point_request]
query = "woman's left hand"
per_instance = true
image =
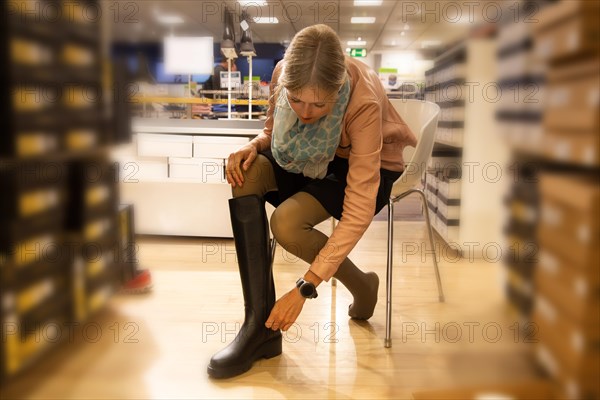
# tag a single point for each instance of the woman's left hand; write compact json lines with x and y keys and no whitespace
{"x":285,"y":311}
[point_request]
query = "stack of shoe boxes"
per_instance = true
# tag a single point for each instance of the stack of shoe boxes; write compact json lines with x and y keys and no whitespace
{"x":520,"y":256}
{"x":443,"y":85}
{"x":34,"y":269}
{"x":59,"y":189}
{"x":93,"y":230}
{"x":567,"y":298}
{"x":567,"y":304}
{"x":519,"y":115}
{"x":443,"y":191}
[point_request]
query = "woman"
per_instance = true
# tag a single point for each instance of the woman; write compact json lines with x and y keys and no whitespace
{"x":331,"y":146}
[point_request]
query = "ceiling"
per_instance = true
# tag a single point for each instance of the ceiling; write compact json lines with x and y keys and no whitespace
{"x":426,"y":24}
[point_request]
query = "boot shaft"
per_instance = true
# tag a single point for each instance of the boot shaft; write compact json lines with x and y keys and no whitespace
{"x":251,"y":236}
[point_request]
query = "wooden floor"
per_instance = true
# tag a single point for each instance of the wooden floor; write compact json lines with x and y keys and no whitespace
{"x":158,"y":345}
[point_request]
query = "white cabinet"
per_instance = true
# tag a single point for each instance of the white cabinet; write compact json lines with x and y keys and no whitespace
{"x":173,"y":173}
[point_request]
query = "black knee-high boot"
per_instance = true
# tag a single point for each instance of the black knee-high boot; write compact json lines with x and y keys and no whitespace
{"x":254,"y":341}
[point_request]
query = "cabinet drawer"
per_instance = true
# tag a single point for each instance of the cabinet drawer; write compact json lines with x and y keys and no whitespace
{"x":157,"y":145}
{"x":206,"y":170}
{"x":217,"y":146}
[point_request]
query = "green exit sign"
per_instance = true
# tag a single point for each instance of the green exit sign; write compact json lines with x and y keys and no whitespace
{"x":358,"y":52}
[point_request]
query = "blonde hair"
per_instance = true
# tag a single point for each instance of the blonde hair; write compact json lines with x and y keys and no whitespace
{"x":314,"y":58}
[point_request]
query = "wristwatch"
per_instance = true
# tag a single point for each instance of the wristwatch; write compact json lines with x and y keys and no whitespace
{"x":307,"y":289}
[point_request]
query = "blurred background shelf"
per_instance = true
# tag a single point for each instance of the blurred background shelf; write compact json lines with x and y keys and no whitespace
{"x":60,"y":239}
{"x":552,"y":68}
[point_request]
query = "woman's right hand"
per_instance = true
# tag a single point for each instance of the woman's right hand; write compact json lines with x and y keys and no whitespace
{"x":241,"y":159}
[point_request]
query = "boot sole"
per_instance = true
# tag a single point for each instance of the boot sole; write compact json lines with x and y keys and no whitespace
{"x":267,"y":350}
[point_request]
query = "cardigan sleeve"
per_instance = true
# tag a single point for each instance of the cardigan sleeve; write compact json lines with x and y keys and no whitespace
{"x":364,"y":129}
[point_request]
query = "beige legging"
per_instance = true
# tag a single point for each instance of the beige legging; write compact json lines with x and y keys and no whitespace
{"x":293,"y":224}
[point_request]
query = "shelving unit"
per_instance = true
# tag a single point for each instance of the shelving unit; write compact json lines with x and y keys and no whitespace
{"x":519,"y":116}
{"x":552,"y":226}
{"x":53,"y":212}
{"x":465,"y":174}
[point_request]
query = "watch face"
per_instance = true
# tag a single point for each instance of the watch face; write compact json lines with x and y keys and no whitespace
{"x":307,"y":290}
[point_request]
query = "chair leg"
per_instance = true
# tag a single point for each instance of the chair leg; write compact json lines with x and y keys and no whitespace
{"x":388,"y":281}
{"x":432,"y":244}
{"x":273,"y":248}
{"x":333,"y":280}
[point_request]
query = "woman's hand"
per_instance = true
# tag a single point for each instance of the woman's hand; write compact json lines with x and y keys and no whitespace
{"x":285,"y":311}
{"x":245,"y":155}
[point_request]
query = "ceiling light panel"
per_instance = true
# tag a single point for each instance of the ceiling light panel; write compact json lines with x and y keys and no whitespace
{"x":166,"y":19}
{"x":367,"y":3}
{"x":266,"y":20}
{"x":362,"y":20}
{"x":257,"y":3}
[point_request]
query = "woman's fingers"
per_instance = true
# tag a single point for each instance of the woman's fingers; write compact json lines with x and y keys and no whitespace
{"x":241,"y":159}
{"x":249,"y":159}
{"x":285,"y":311}
{"x":229,"y":173}
{"x":237,"y":171}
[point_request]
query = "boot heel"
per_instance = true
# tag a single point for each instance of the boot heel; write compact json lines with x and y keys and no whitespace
{"x":271,"y":349}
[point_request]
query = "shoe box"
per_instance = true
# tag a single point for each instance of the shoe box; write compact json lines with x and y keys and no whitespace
{"x":572,"y":345}
{"x":566,"y":350}
{"x":570,"y":221}
{"x":571,"y":119}
{"x":566,"y":29}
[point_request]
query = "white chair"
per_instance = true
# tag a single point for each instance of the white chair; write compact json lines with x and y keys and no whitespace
{"x":421,"y":117}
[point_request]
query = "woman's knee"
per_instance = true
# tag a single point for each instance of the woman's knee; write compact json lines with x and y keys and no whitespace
{"x":298,"y":214}
{"x":284,"y":225}
{"x":258,"y":178}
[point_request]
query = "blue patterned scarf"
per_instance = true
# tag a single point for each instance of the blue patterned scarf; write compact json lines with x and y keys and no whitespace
{"x":307,"y":148}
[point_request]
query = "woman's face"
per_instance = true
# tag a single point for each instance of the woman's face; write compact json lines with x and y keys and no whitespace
{"x":311,"y":104}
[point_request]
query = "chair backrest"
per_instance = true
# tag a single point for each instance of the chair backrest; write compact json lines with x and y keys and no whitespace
{"x":421,"y":117}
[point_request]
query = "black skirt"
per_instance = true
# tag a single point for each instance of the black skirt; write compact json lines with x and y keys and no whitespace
{"x":329,"y":191}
